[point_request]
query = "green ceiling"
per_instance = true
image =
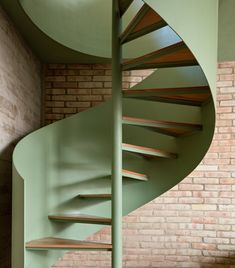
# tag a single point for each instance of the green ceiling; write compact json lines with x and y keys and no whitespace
{"x":44,"y":47}
{"x":50,"y":50}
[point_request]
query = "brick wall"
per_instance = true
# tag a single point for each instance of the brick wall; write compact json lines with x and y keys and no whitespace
{"x":20,"y":102}
{"x":193,"y":224}
{"x":76,"y":87}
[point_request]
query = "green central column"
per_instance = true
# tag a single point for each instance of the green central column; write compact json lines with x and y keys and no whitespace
{"x":117,"y":139}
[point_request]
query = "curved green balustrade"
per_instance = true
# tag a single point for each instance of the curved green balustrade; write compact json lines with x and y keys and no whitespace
{"x":73,"y":156}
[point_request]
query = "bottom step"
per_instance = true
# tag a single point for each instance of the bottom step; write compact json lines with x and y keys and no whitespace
{"x":65,"y":244}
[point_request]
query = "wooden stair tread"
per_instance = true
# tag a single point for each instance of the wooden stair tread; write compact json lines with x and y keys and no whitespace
{"x":80,"y":218}
{"x":170,"y":91}
{"x":124,"y":5}
{"x":134,"y":175}
{"x":174,"y":55}
{"x":165,"y":127}
{"x":59,"y":243}
{"x":150,"y":121}
{"x":195,"y":96}
{"x":147,"y":151}
{"x":95,"y":196}
{"x":145,"y":21}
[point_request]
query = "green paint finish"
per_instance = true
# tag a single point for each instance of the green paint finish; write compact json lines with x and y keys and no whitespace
{"x":180,"y":77}
{"x":197,"y":26}
{"x":54,"y":164}
{"x":51,"y":51}
{"x":117,"y":137}
{"x":51,"y":48}
{"x":44,"y":47}
{"x":226,"y":30}
{"x":53,"y":176}
{"x":66,"y":157}
{"x":136,"y":177}
{"x":82,"y":25}
{"x":95,"y":38}
{"x":18,"y":219}
{"x":125,"y":36}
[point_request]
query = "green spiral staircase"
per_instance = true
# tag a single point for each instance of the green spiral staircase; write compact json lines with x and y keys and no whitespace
{"x":127,"y":151}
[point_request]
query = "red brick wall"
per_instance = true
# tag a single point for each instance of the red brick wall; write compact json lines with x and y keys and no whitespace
{"x":193,"y":224}
{"x":76,"y":87}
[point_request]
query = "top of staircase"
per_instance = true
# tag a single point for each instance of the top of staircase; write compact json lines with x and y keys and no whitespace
{"x":145,"y":21}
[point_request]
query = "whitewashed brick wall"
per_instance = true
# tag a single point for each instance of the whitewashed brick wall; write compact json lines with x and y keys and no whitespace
{"x":20,"y":113}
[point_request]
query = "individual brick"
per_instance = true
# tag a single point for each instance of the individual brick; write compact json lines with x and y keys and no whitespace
{"x":90,"y":98}
{"x":63,"y":98}
{"x":64,"y":110}
{"x":102,"y":91}
{"x":55,"y":91}
{"x":78,"y":91}
{"x":78,"y":78}
{"x":54,"y":104}
{"x":64,"y":84}
{"x":56,"y":78}
{"x":105,"y":78}
{"x":78,"y":104}
{"x":90,"y":84}
{"x":79,"y":66}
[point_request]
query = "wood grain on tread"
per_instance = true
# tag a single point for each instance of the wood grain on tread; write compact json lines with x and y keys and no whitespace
{"x":95,"y":195}
{"x":149,"y":19}
{"x":132,"y":174}
{"x":145,"y":21}
{"x":183,"y":95}
{"x":59,"y":243}
{"x":80,"y":218}
{"x":147,"y":151}
{"x":171,"y":56}
{"x":165,"y":127}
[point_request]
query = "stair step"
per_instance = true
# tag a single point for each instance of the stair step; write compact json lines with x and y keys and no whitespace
{"x":147,"y":152}
{"x":125,"y":173}
{"x":175,"y":55}
{"x":96,"y":196}
{"x":166,"y":127}
{"x":145,"y":21}
{"x":134,"y":175}
{"x":124,"y":5}
{"x":65,"y":244}
{"x":80,"y":218}
{"x":194,"y":96}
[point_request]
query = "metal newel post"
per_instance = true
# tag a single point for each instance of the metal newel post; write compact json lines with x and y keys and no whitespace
{"x":117,"y":139}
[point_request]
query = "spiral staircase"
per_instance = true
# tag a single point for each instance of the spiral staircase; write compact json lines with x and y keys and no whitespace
{"x":62,"y":172}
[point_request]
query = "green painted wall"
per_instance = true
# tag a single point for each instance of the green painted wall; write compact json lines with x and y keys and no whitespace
{"x":227,"y":30}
